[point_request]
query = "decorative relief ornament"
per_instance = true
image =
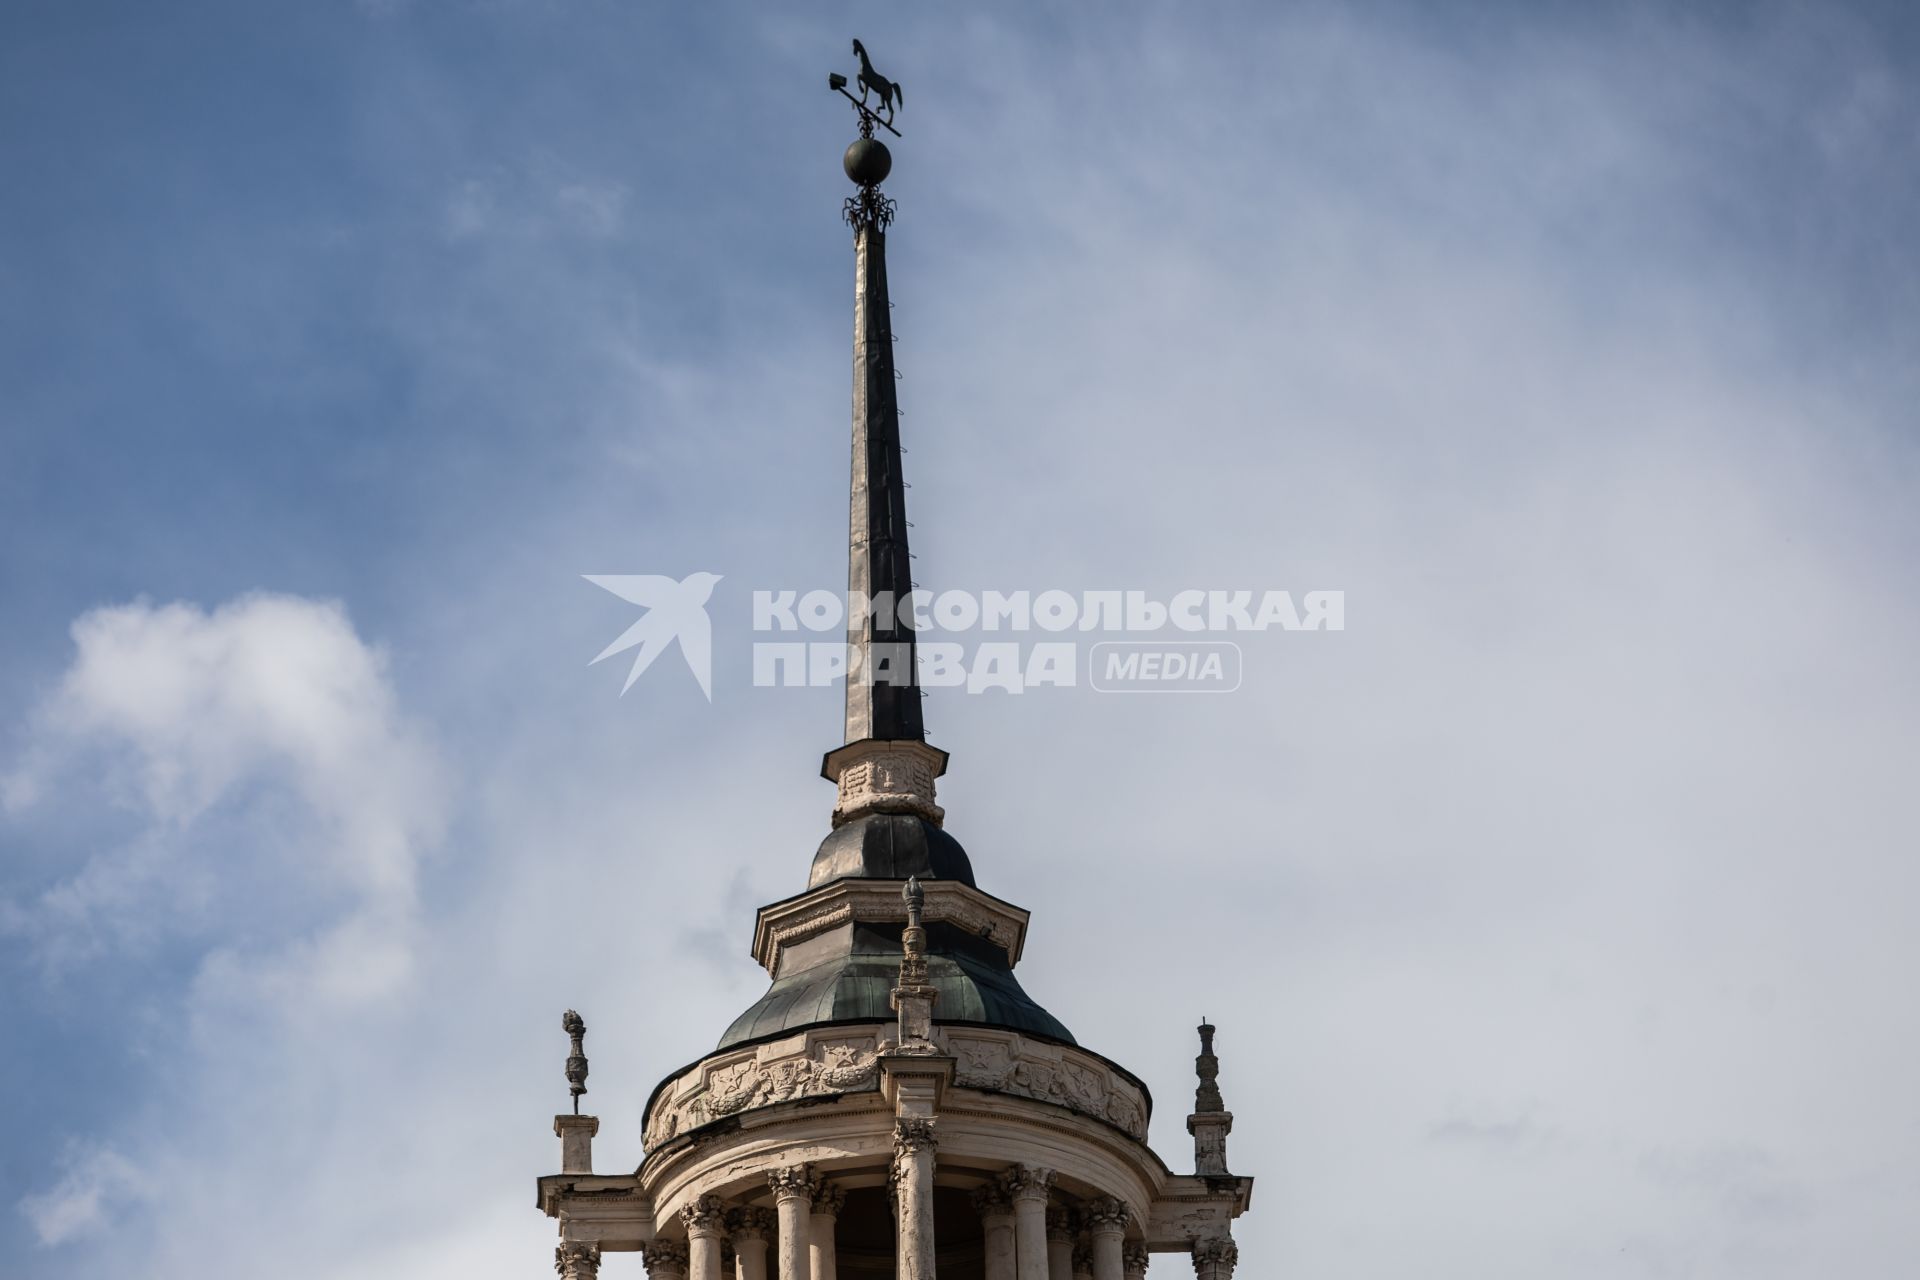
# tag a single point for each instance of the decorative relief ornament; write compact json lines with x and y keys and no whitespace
{"x":1133,"y":1261}
{"x":747,"y":1082}
{"x":1060,"y":1225}
{"x":1082,"y":1086}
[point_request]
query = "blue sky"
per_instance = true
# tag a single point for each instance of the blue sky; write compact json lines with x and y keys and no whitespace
{"x":1554,"y":913}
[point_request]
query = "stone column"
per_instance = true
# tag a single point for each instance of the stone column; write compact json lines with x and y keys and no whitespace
{"x":747,"y":1228}
{"x":1029,"y":1187}
{"x":665,"y":1259}
{"x":793,"y":1190}
{"x":706,"y":1223}
{"x":1133,"y":1260}
{"x":576,"y":1261}
{"x":1107,"y":1221}
{"x":913,"y":1145}
{"x":996,"y":1221}
{"x":1059,"y":1244}
{"x":828,"y":1200}
{"x":1215,"y":1258}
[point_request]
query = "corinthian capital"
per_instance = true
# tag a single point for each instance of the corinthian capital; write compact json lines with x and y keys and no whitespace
{"x":1108,"y":1214}
{"x":665,"y":1259}
{"x":1215,"y":1258}
{"x":706,"y":1216}
{"x":576,"y":1261}
{"x":829,"y":1199}
{"x":749,"y":1223}
{"x":911,"y":1134}
{"x":796,"y":1182}
{"x":1027,"y":1182}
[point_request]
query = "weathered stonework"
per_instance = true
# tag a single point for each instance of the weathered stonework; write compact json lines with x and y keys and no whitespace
{"x":876,"y":776}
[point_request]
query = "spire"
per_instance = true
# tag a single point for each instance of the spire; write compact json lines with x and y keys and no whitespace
{"x":885,"y":765}
{"x":883,"y":691}
{"x":1210,"y":1122}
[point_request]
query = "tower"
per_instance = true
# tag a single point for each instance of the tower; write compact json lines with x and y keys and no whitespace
{"x":895,"y":1104}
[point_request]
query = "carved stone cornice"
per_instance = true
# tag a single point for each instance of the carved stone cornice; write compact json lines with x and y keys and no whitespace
{"x":1108,"y":1215}
{"x":795,"y":1182}
{"x":706,"y":1216}
{"x":574,"y":1260}
{"x":831,"y":905}
{"x":665,"y":1259}
{"x":1028,"y":1182}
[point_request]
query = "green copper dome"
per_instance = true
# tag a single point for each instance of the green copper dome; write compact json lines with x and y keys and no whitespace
{"x":846,"y":975}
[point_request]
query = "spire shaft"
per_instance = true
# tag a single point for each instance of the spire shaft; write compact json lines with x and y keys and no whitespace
{"x":883,"y":694}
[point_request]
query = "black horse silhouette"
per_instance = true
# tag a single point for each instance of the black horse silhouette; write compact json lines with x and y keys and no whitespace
{"x":888,"y":90}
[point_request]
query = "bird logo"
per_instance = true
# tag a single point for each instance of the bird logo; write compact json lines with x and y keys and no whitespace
{"x":674,"y":611}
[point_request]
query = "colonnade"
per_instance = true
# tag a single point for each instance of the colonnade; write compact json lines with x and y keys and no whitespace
{"x":1026,"y":1238}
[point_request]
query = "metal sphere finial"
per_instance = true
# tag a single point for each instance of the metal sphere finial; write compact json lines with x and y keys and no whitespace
{"x":868,"y":162}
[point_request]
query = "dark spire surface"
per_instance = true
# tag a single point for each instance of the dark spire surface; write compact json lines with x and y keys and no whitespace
{"x":883,"y":693}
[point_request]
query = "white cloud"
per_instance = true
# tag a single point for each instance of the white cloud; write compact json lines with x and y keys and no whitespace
{"x":95,"y":1179}
{"x":283,"y":804}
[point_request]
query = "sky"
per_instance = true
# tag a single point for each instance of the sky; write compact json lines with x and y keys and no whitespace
{"x":1556,"y":912}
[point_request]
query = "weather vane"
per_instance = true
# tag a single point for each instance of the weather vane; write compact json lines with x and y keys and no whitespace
{"x":872,"y":84}
{"x":576,"y":1027}
{"x":868,"y":161}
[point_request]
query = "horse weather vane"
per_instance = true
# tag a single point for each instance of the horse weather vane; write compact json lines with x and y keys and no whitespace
{"x":872,"y":84}
{"x":868,"y":161}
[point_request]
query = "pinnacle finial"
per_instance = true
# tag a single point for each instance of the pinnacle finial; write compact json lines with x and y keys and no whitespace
{"x":913,"y":940}
{"x":576,"y":1028}
{"x":1210,"y":1122}
{"x":1206,"y":1098}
